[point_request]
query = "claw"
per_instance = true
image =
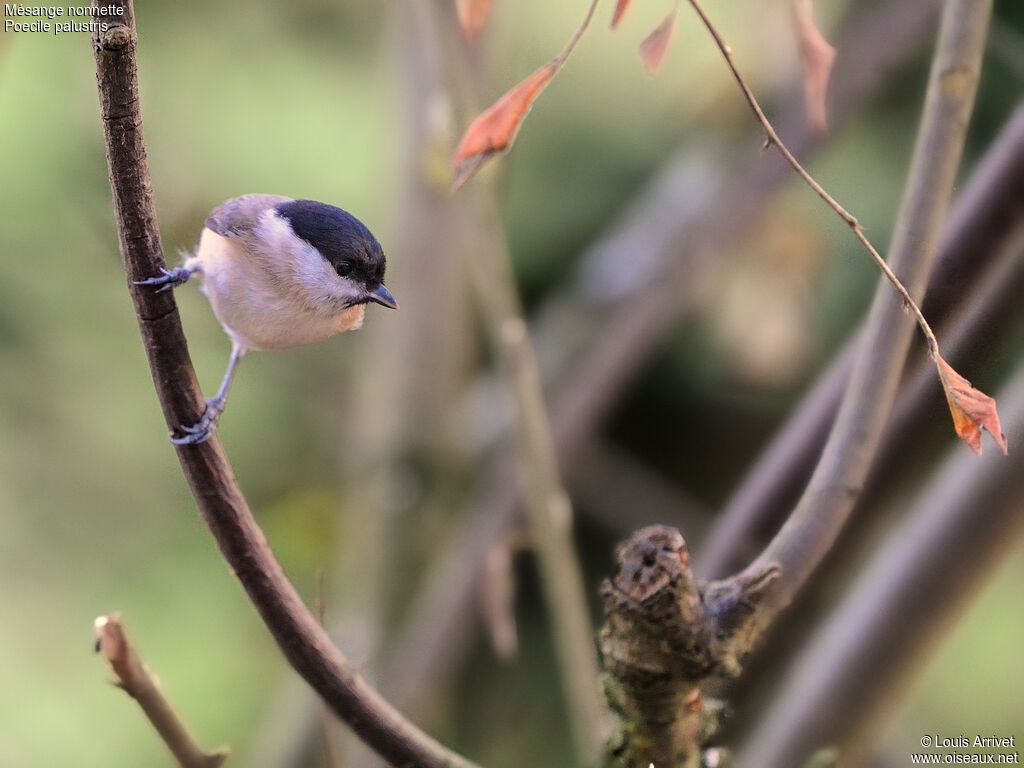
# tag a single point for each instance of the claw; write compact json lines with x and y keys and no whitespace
{"x":203,"y":429}
{"x":167,"y":279}
{"x":192,"y":439}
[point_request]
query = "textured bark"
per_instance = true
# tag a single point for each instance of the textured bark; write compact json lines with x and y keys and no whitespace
{"x":664,"y":634}
{"x":299,"y":635}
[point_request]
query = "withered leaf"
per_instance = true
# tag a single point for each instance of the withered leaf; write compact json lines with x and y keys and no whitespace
{"x":497,"y":600}
{"x":472,"y":16}
{"x":654,"y":47}
{"x":495,"y":130}
{"x":816,"y":59}
{"x":620,"y":10}
{"x":972,"y":409}
{"x":497,"y":127}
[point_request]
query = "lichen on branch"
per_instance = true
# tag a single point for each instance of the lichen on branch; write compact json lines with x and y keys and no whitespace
{"x":665,"y":633}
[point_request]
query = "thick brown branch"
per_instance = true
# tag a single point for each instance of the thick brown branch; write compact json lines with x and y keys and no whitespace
{"x":661,"y":639}
{"x":303,"y":642}
{"x":134,"y":678}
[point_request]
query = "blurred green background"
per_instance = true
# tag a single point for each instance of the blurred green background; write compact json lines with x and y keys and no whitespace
{"x":306,"y":99}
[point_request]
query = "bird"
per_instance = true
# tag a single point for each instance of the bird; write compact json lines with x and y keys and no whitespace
{"x":279,"y":273}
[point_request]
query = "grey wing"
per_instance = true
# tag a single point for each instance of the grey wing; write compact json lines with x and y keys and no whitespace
{"x":237,"y":217}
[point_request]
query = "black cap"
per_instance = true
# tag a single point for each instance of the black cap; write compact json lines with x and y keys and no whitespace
{"x":340,"y":238}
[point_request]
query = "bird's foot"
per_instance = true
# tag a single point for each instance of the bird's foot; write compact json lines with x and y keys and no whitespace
{"x":169,"y":279}
{"x":203,"y":429}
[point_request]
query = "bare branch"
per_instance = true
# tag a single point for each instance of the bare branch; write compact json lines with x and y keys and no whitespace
{"x":628,"y":328}
{"x":663,"y":636}
{"x":987,"y":214}
{"x":772,"y":139}
{"x":135,"y":679}
{"x":955,"y":533}
{"x":302,"y":640}
{"x":839,"y":477}
{"x":656,"y":649}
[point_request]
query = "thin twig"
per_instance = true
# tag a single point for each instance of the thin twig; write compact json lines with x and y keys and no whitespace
{"x":135,"y":679}
{"x":302,"y":640}
{"x":827,"y":501}
{"x":579,"y":32}
{"x":494,"y":130}
{"x":683,"y":240}
{"x":772,"y":139}
{"x":985,"y":216}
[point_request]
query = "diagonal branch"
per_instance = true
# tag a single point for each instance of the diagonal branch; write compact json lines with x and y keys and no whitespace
{"x":627,"y":328}
{"x":138,"y":682}
{"x":300,"y":637}
{"x":840,"y":474}
{"x":986,"y":215}
{"x":955,"y":533}
{"x":772,"y":139}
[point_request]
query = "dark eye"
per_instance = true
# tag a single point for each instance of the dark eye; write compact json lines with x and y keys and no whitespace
{"x":343,"y":268}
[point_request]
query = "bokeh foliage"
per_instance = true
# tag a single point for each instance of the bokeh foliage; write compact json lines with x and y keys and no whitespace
{"x":303,"y":99}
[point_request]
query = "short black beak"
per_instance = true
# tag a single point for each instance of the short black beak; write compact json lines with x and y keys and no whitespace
{"x":383,"y":297}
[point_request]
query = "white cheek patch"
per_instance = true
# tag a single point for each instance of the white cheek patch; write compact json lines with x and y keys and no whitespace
{"x":311,"y":268}
{"x":302,"y":267}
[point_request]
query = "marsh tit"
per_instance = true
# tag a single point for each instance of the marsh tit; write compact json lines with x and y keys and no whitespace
{"x":279,"y":273}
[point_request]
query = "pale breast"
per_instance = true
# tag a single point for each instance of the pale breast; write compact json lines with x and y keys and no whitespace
{"x":251,"y":306}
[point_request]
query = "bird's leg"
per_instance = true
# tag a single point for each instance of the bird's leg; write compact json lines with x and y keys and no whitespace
{"x":201,"y":431}
{"x":171,"y":278}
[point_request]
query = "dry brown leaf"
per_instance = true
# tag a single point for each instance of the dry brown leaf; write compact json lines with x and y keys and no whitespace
{"x":972,"y":409}
{"x":497,"y":600}
{"x":472,"y":16}
{"x":495,"y":130}
{"x":654,"y":47}
{"x":620,"y":10}
{"x":816,"y":59}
